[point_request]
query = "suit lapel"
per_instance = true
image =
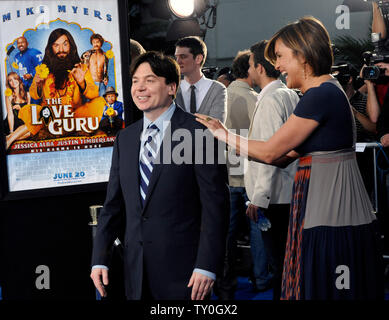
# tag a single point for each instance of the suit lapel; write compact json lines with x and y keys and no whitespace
{"x":180,"y":99}
{"x":175,"y":123}
{"x":204,"y":103}
{"x":134,"y":162}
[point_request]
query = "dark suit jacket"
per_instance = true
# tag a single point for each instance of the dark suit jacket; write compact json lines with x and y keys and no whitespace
{"x":184,"y":221}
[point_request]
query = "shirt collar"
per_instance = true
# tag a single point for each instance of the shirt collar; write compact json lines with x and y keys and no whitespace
{"x":241,"y":84}
{"x":185,"y":85}
{"x":268,"y":87}
{"x":160,"y":122}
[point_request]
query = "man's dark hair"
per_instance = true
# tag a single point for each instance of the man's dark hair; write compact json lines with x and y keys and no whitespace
{"x":258,"y":51}
{"x":98,"y":37}
{"x":161,"y":65}
{"x":196,"y":46}
{"x":60,"y":67}
{"x":240,"y":65}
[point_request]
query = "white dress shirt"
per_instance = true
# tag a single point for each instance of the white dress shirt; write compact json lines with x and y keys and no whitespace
{"x":202,"y":87}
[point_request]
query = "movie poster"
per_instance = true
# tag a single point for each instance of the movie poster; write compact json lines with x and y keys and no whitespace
{"x":61,"y":89}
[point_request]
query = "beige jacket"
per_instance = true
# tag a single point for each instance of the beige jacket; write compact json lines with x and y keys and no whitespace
{"x":240,"y":108}
{"x":267,"y":184}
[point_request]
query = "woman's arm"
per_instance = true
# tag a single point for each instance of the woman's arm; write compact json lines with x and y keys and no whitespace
{"x":277,"y":150}
{"x":28,"y":98}
{"x":373,"y":108}
{"x":366,"y":123}
{"x":378,"y":23}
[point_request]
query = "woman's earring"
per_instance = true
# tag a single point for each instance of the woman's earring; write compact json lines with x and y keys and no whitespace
{"x":304,"y":72}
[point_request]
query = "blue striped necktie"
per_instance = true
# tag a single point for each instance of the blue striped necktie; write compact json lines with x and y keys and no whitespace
{"x":147,"y":158}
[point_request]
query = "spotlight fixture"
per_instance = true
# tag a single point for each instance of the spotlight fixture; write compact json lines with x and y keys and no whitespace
{"x":182,"y":8}
{"x":186,"y":16}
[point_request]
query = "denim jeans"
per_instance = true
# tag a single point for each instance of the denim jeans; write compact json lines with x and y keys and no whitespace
{"x":262,"y":275}
{"x":226,"y":284}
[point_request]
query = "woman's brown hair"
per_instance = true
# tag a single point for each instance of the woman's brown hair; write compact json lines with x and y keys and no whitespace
{"x":309,"y":38}
{"x":22,"y":89}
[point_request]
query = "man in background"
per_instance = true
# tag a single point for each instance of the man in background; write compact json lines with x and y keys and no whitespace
{"x":240,"y":108}
{"x":197,"y":93}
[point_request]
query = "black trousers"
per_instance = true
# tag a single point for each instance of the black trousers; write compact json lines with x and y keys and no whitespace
{"x":275,"y":241}
{"x":148,"y":296}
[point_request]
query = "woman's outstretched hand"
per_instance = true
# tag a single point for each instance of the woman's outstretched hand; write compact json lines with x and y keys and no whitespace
{"x":214,"y":125}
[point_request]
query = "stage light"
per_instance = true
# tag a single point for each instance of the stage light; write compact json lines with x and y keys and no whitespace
{"x":187,"y":17}
{"x":182,"y":8}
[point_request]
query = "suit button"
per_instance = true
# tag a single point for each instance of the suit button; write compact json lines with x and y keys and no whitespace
{"x":144,"y":218}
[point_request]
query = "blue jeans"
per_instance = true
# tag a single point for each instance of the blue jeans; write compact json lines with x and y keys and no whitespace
{"x":226,"y":284}
{"x":238,"y":199}
{"x":260,"y":260}
{"x":262,"y":275}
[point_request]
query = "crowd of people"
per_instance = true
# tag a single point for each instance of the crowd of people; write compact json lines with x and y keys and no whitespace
{"x":292,"y":172}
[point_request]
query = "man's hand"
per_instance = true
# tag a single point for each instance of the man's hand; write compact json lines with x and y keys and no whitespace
{"x":385,"y":140}
{"x":105,"y":81}
{"x":79,"y":75}
{"x":97,"y":274}
{"x":201,"y":285}
{"x":252,"y":213}
{"x":38,"y":81}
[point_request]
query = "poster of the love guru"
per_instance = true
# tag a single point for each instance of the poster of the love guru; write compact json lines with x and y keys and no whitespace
{"x":61,"y":89}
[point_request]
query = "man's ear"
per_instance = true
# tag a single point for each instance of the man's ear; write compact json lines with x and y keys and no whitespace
{"x":199,"y":58}
{"x":260,"y":69}
{"x":172,"y":87}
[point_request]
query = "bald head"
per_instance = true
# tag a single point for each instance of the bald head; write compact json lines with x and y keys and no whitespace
{"x":22,"y":44}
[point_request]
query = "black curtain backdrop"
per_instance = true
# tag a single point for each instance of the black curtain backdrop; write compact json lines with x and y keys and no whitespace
{"x":51,"y":228}
{"x":51,"y":231}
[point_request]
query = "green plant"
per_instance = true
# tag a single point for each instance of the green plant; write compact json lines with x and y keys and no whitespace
{"x":349,"y":49}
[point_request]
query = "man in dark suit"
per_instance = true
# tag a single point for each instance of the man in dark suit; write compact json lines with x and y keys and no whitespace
{"x":174,"y":204}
